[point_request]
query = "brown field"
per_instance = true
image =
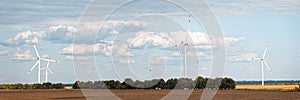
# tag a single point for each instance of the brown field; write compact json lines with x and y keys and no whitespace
{"x":266,"y":87}
{"x":142,"y":94}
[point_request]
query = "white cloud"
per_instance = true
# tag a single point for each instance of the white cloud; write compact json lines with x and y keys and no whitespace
{"x":91,"y":49}
{"x":150,"y":39}
{"x":198,"y":40}
{"x":198,"y":54}
{"x":121,"y":50}
{"x":25,"y":37}
{"x":85,"y":49}
{"x":68,"y":57}
{"x":126,"y":61}
{"x":242,"y":57}
{"x":112,"y":24}
{"x":231,"y":40}
{"x":27,"y":55}
{"x":60,"y":33}
{"x":298,"y":55}
{"x":4,"y":52}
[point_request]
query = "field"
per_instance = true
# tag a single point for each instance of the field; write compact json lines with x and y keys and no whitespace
{"x":266,"y":87}
{"x":142,"y":94}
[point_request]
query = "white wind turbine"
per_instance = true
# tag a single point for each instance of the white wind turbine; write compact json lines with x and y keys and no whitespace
{"x":38,"y":63}
{"x":185,"y":45}
{"x":263,"y":62}
{"x":47,"y":69}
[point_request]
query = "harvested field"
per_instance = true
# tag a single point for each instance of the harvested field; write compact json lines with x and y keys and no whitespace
{"x":266,"y":87}
{"x":142,"y":94}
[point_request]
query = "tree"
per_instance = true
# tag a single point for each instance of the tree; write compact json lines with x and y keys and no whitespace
{"x":47,"y":85}
{"x":200,"y":82}
{"x":171,"y":83}
{"x":128,"y":82}
{"x":98,"y":85}
{"x":37,"y":86}
{"x":58,"y":86}
{"x":76,"y":85}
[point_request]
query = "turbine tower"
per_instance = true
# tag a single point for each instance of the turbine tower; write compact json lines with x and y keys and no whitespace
{"x":38,"y":63}
{"x":263,"y":62}
{"x":185,"y":45}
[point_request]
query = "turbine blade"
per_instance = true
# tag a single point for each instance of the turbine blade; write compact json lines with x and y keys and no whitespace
{"x":49,"y":60}
{"x":267,"y":66}
{"x":34,"y":65}
{"x":47,"y":65}
{"x":50,"y":70}
{"x":265,"y":52}
{"x":36,"y":52}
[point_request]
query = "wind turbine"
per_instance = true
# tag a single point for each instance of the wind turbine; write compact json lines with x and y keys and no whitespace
{"x":38,"y":63}
{"x":185,"y":45}
{"x":263,"y":62}
{"x":47,"y":68}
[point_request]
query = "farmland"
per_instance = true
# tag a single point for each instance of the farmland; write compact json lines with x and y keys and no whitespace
{"x":142,"y":94}
{"x":266,"y":87}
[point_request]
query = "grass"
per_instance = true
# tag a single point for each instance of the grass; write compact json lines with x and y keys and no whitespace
{"x":267,"y":87}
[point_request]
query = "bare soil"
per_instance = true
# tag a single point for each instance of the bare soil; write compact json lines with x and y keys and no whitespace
{"x":142,"y":94}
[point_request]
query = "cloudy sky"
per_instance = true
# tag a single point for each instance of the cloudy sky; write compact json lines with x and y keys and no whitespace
{"x":101,"y":40}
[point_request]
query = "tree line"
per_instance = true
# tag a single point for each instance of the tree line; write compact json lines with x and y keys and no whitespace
{"x":173,"y":83}
{"x":20,"y":86}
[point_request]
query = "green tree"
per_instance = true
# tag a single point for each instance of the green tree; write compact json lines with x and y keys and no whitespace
{"x":76,"y":85}
{"x":58,"y":86}
{"x":47,"y":85}
{"x":37,"y":86}
{"x":171,"y":83}
{"x":200,"y":82}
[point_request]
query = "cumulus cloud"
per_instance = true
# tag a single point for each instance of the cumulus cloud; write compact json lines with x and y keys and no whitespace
{"x":85,"y":49}
{"x":24,"y":37}
{"x":98,"y":49}
{"x":198,"y":40}
{"x":232,"y":40}
{"x":121,"y":50}
{"x":189,"y":53}
{"x":150,"y":39}
{"x":112,"y":24}
{"x":65,"y":33}
{"x":126,"y":61}
{"x":242,"y":57}
{"x":68,"y":57}
{"x":60,"y":33}
{"x":108,"y":28}
{"x":19,"y":56}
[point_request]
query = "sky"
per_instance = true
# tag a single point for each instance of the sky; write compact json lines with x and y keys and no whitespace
{"x":114,"y":40}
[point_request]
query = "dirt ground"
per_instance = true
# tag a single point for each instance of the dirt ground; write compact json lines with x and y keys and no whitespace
{"x":142,"y":94}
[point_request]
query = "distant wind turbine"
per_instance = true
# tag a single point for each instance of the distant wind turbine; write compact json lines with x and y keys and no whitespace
{"x":263,"y":62}
{"x":38,"y":63}
{"x":47,"y":69}
{"x":185,"y":45}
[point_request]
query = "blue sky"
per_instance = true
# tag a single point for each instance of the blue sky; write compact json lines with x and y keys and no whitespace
{"x":141,"y":35}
